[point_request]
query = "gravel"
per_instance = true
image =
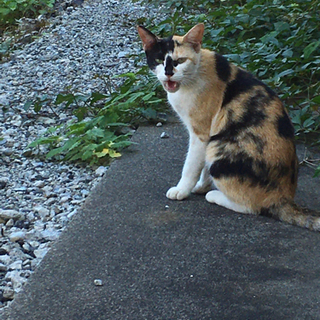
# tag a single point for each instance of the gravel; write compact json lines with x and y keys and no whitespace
{"x":77,"y":51}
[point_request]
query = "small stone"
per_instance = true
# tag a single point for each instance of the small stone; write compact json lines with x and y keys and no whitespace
{"x":16,"y":279}
{"x":26,"y":246}
{"x":3,"y":267}
{"x":64,"y":199}
{"x":159,"y":124}
{"x":26,"y":265}
{"x":6,"y":215}
{"x":46,"y":120}
{"x":5,"y":259}
{"x":20,"y":189}
{"x":3,"y":251}
{"x":16,"y":236}
{"x":17,"y":265}
{"x":51,"y":201}
{"x":30,"y":216}
{"x":101,"y":171}
{"x":3,"y":182}
{"x":50,"y":235}
{"x":164,"y":135}
{"x":98,"y":282}
{"x":41,"y":252}
{"x":71,"y":213}
{"x":43,"y":212}
{"x":57,"y":210}
{"x":122,"y":54}
{"x":8,"y":293}
{"x":10,"y":223}
{"x":39,"y":184}
{"x":27,"y":153}
{"x":7,"y":152}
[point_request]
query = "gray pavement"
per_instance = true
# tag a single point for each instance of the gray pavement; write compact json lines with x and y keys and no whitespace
{"x":161,"y":259}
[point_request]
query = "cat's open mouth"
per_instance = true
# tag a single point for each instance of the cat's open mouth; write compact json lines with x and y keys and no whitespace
{"x":171,"y":86}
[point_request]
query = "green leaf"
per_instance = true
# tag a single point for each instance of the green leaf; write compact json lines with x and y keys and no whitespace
{"x":37,"y":106}
{"x":5,"y":11}
{"x":94,"y":133}
{"x":287,"y":53}
{"x":67,"y":98}
{"x":96,"y":96}
{"x":42,"y":141}
{"x":130,"y":75}
{"x":285,"y":73}
{"x":12,"y":5}
{"x":148,"y":96}
{"x":71,"y":144}
{"x":53,"y":152}
{"x":27,"y":105}
{"x":309,"y":49}
{"x":308,"y":123}
{"x":316,"y":99}
{"x":281,"y":26}
{"x":270,"y":37}
{"x":317,"y":172}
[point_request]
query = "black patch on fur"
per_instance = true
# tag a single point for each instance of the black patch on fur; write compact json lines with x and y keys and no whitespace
{"x":169,"y":64}
{"x":271,"y":212}
{"x":258,"y":141}
{"x":159,"y":51}
{"x":243,"y":167}
{"x":285,"y":127}
{"x":253,"y":116}
{"x":282,"y":170}
{"x":243,"y":82}
{"x":222,"y":67}
{"x":266,"y":212}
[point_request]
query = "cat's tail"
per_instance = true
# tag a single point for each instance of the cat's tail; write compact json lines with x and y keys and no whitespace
{"x":289,"y":212}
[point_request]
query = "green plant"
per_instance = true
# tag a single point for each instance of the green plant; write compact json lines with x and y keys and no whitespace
{"x":97,"y":132}
{"x":11,"y":10}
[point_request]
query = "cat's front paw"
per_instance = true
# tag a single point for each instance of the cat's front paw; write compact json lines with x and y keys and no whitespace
{"x":176,"y":193}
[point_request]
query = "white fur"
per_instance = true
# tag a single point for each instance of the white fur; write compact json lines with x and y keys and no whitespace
{"x":184,"y":73}
{"x":182,"y":102}
{"x":205,"y":182}
{"x":191,"y":170}
{"x":219,"y":198}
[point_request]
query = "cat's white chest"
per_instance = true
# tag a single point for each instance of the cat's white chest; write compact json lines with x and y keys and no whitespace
{"x":182,"y":102}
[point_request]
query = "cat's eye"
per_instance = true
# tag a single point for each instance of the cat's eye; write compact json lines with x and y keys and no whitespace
{"x":159,"y":61}
{"x":181,"y":60}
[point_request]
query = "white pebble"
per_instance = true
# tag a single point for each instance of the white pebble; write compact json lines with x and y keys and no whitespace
{"x":98,"y":282}
{"x":164,"y":135}
{"x":16,"y":236}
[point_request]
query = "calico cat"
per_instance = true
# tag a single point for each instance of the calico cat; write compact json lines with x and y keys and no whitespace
{"x":241,"y":138}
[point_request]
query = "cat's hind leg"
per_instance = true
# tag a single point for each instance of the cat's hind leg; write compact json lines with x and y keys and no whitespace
{"x":216,"y":196}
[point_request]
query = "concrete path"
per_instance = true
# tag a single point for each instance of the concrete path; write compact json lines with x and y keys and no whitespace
{"x":161,"y":259}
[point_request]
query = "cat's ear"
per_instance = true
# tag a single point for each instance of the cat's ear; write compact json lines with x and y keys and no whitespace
{"x":147,"y":37}
{"x":194,"y":36}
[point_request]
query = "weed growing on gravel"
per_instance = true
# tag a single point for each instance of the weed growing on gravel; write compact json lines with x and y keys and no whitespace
{"x":101,"y":124}
{"x":11,"y":10}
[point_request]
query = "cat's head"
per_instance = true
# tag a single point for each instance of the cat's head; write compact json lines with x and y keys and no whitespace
{"x":174,"y":60}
